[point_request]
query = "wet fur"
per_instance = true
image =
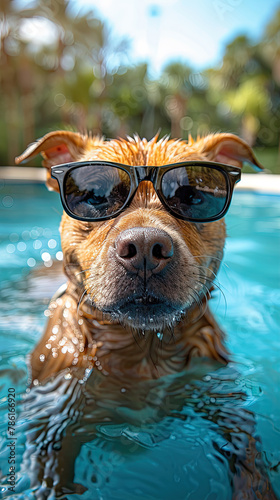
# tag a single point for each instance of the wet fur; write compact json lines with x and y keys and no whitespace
{"x":96,"y":310}
{"x":85,"y":331}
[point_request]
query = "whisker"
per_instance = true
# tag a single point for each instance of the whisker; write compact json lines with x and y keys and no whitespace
{"x":216,"y":282}
{"x":202,"y":304}
{"x":135,"y":338}
{"x":209,"y":257}
{"x":198,"y":300}
{"x":205,"y":268}
{"x":83,"y":272}
{"x":72,"y":264}
{"x":81,"y":299}
{"x":87,"y":279}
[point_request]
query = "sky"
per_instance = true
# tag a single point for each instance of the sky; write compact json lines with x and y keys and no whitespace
{"x":191,"y":31}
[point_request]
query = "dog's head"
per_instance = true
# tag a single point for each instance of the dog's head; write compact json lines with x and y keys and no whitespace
{"x":145,"y":267}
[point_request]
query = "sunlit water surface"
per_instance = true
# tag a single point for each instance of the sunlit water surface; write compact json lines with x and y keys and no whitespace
{"x":159,"y":440}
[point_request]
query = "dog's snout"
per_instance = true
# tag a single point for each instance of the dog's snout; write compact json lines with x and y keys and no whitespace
{"x":144,"y":247}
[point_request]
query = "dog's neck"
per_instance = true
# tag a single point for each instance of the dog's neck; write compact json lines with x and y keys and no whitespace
{"x":148,"y":354}
{"x":78,"y":335}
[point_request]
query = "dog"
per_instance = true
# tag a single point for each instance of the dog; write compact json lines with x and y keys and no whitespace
{"x":142,"y":236}
{"x":158,"y":292}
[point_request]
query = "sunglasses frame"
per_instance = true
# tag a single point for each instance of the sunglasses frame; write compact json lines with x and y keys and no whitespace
{"x":154,"y":174}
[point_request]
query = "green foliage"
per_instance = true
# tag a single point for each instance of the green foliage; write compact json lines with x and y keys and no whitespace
{"x":78,"y":77}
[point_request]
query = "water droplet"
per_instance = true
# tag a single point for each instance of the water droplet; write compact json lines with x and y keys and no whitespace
{"x":68,"y":304}
{"x":47,"y":312}
{"x":35,"y":382}
{"x":160,"y":335}
{"x":59,"y":255}
{"x":34,"y":233}
{"x":55,"y":329}
{"x":31,"y":262}
{"x":7,"y":201}
{"x":123,"y":389}
{"x":42,"y":357}
{"x":10,"y":248}
{"x":21,"y":246}
{"x":48,"y":263}
{"x":37,"y":244}
{"x":54,"y":354}
{"x":80,"y":322}
{"x":64,"y":350}
{"x":68,"y":376}
{"x":52,"y":243}
{"x":207,"y":378}
{"x":25,"y":235}
{"x":45,"y":256}
{"x":48,"y":346}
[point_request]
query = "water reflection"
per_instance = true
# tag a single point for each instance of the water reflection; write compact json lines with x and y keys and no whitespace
{"x":188,"y":436}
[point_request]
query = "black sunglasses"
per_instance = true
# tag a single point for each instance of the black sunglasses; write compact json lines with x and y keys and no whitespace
{"x":196,"y":191}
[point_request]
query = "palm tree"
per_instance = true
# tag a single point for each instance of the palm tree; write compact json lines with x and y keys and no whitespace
{"x":87,"y":42}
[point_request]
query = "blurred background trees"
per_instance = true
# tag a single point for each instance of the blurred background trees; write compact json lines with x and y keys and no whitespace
{"x":78,"y":77}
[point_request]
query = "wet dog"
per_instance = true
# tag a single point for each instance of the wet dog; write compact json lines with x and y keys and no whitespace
{"x":142,"y":237}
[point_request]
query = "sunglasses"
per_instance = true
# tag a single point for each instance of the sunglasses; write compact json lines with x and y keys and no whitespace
{"x":195,"y":191}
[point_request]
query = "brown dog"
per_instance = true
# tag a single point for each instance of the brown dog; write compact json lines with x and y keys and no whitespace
{"x":141,"y":277}
{"x":136,"y":302}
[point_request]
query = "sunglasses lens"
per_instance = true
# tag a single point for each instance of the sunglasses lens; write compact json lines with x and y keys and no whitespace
{"x":195,"y":192}
{"x":96,"y":191}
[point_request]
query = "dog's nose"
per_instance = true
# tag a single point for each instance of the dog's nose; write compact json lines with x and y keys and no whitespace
{"x":142,"y":248}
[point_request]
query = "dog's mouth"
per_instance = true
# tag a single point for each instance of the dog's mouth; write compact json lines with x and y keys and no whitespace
{"x":145,"y":312}
{"x":145,"y":300}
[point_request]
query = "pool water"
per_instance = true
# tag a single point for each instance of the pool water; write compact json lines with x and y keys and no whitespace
{"x":172,"y":438}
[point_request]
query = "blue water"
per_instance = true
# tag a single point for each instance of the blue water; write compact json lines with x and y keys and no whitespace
{"x":162,"y":439}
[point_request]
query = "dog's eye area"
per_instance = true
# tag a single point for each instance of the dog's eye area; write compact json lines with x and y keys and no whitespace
{"x":194,"y":191}
{"x":96,"y":190}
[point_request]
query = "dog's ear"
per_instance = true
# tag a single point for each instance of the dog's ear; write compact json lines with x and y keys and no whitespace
{"x":55,"y":147}
{"x":228,"y":149}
